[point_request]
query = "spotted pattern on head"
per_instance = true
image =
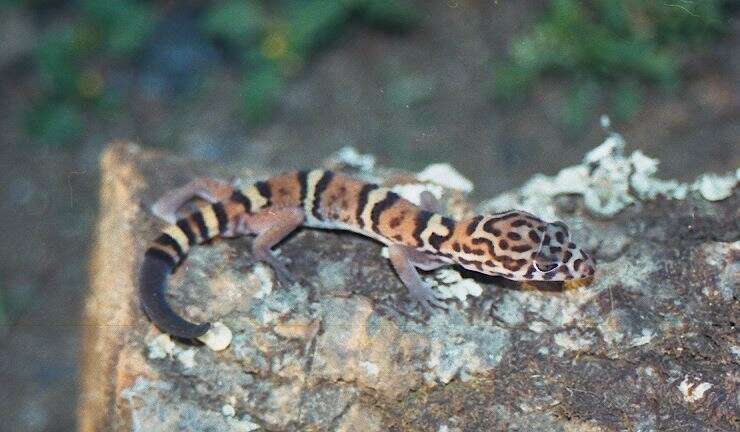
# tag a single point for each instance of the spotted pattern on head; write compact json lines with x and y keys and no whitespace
{"x":520,"y":246}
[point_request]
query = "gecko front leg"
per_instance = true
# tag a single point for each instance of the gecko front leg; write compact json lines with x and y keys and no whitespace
{"x":271,"y":225}
{"x":405,"y":260}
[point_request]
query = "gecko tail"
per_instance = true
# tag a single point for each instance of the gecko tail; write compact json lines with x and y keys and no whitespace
{"x":154,"y":273}
{"x":166,"y":253}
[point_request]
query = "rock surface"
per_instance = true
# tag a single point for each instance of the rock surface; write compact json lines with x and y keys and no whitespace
{"x":651,"y":344}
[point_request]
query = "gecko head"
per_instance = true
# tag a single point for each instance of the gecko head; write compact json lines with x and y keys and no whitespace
{"x":558,"y":259}
{"x":522,"y":247}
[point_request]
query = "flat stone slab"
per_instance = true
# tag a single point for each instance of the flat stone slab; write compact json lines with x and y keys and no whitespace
{"x":651,"y":344}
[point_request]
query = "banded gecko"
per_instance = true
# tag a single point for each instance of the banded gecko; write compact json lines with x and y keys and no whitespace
{"x":514,"y":244}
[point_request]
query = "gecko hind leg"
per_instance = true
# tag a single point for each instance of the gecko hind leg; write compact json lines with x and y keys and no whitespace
{"x":404,"y":261}
{"x":207,"y":189}
{"x":271,"y":226}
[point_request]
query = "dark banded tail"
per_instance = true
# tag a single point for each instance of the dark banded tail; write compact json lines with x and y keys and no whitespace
{"x":167,"y":252}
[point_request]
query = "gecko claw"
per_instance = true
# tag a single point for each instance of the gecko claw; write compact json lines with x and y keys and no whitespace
{"x":426,"y":298}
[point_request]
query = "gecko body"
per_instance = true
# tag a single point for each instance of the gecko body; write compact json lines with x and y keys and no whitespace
{"x":515,"y":244}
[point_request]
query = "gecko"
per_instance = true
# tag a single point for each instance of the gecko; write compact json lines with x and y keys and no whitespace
{"x":514,"y":244}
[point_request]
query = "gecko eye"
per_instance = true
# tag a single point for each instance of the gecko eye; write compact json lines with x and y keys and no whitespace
{"x":545,"y":263}
{"x":552,"y":248}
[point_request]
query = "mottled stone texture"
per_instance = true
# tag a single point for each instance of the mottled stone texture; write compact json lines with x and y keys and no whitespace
{"x":650,"y":345}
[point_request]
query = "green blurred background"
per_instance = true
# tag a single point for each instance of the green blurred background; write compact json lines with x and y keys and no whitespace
{"x":500,"y":89}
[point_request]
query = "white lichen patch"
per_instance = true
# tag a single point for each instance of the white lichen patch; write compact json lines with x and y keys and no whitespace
{"x":264,"y":274}
{"x":228,"y":410}
{"x":445,"y":175}
{"x":461,"y":348}
{"x":160,"y":347}
{"x":646,"y":336}
{"x":243,"y":425}
{"x":450,"y":284}
{"x":609,"y":181}
{"x":572,"y":341}
{"x":186,"y":358}
{"x":369,"y":368}
{"x":413,"y":191}
{"x":646,"y":185}
{"x":691,"y":391}
{"x":217,"y":338}
{"x":350,"y":156}
{"x":713,"y":187}
{"x":537,"y":326}
{"x":722,"y":257}
{"x":509,"y":310}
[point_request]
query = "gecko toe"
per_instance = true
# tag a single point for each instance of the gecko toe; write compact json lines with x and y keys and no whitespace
{"x":426,"y":298}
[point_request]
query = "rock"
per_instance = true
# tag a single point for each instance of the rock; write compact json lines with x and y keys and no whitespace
{"x":651,"y":344}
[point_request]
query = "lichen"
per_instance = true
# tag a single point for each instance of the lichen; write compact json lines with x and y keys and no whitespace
{"x":714,"y":187}
{"x":445,"y":175}
{"x":350,"y":156}
{"x":609,"y":181}
{"x":692,"y":391}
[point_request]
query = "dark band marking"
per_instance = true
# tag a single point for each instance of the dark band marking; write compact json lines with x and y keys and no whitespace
{"x":165,"y":239}
{"x":472,"y":251}
{"x":467,"y":262}
{"x":238,"y":196}
{"x":161,"y":255}
{"x":521,"y":248}
{"x":184,"y":226}
{"x":221,"y":217}
{"x":380,"y":207}
{"x":489,"y":227}
{"x":302,"y":177}
{"x":421,"y":223}
{"x":567,"y":256}
{"x":534,"y":237}
{"x":519,"y":222}
{"x":473,"y":225}
{"x":513,"y":236}
{"x":436,"y":240}
{"x":362,"y":202}
{"x":264,"y":189}
{"x":560,"y":237}
{"x":577,"y":263}
{"x":395,"y":222}
{"x":487,"y":242}
{"x":201,"y":223}
{"x":321,"y":186}
{"x":529,"y":272}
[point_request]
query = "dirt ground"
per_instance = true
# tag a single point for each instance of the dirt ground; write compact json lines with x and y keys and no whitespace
{"x":348,"y":95}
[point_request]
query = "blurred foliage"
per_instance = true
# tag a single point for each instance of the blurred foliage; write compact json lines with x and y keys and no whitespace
{"x":70,"y":59}
{"x":269,"y":41}
{"x":607,"y":47}
{"x":273,"y":41}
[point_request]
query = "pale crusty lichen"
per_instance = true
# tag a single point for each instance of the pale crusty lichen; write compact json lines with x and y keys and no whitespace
{"x":445,"y":175}
{"x":609,"y":181}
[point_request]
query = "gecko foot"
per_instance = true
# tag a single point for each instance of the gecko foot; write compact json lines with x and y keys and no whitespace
{"x":424,"y":296}
{"x":282,"y":274}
